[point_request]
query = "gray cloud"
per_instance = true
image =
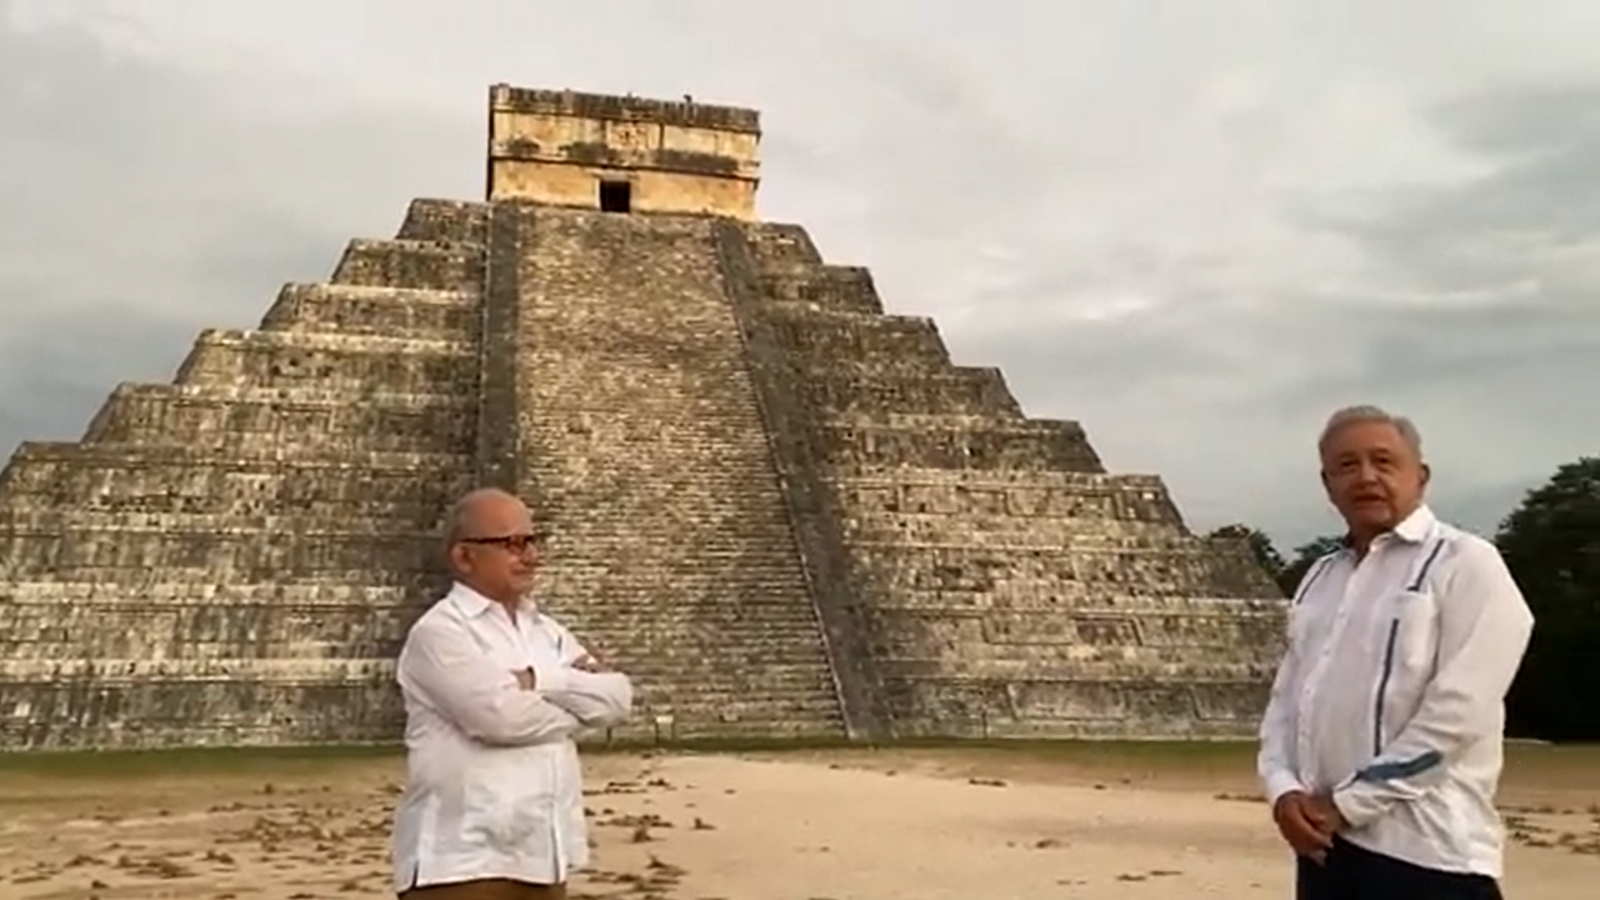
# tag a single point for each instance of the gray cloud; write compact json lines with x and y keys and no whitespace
{"x":1196,"y":235}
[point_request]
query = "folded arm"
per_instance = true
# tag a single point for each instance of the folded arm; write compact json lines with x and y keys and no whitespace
{"x":1484,"y":626}
{"x":444,"y":668}
{"x":596,"y":699}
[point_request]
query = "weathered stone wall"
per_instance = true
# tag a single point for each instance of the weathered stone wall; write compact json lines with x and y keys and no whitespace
{"x":232,"y":558}
{"x":996,"y":579}
{"x":642,"y":446}
{"x":555,"y":147}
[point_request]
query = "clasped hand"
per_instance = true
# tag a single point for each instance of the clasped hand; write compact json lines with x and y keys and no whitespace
{"x":1308,"y":822}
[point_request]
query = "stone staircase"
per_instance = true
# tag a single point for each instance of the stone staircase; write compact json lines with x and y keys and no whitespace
{"x":232,"y":558}
{"x":644,"y":448}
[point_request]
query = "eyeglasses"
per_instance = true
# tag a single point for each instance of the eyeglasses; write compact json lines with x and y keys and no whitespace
{"x":516,"y":543}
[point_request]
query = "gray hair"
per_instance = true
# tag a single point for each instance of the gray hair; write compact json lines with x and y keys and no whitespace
{"x":1351,"y":415}
{"x":457,"y":518}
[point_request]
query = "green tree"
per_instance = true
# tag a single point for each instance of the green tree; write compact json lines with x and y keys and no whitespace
{"x":1260,"y":545}
{"x":1551,"y":544}
{"x":1304,"y":555}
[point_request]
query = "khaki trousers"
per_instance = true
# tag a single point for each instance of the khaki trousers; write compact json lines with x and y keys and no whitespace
{"x":487,"y":889}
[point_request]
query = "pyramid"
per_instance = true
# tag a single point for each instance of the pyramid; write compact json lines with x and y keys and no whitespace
{"x":785,"y":512}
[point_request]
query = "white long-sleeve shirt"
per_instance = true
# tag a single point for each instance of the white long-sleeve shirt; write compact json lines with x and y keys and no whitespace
{"x":493,"y":784}
{"x":1391,"y":694}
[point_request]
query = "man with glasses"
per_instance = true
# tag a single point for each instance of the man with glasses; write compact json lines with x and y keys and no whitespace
{"x":495,"y":691}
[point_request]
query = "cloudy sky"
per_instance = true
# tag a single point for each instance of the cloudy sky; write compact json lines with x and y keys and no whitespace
{"x":1195,"y":226}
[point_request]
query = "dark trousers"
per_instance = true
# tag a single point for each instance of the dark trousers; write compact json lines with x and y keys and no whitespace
{"x":1355,"y":873}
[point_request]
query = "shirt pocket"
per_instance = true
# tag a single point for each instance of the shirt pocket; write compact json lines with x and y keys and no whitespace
{"x":1412,"y":646}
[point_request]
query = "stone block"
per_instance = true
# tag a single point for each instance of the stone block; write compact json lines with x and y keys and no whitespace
{"x":944,"y":442}
{"x":853,"y":389}
{"x":446,"y":221}
{"x":822,"y":336}
{"x":838,"y":288}
{"x":220,"y":417}
{"x":775,"y":245}
{"x":356,"y":310}
{"x":420,"y":265}
{"x":288,"y":359}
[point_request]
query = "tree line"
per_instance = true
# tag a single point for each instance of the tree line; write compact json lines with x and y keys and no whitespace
{"x":1551,"y":543}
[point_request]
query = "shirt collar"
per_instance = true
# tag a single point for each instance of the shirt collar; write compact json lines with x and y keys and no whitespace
{"x":472,"y":604}
{"x":1413,"y":529}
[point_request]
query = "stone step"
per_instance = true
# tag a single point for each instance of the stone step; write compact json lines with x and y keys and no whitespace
{"x":697,"y":614}
{"x":962,"y":442}
{"x":643,"y":729}
{"x":194,"y":598}
{"x":735,"y":707}
{"x":1046,"y":641}
{"x":1080,"y":572}
{"x":44,"y":710}
{"x":820,"y":336}
{"x":768,"y":578}
{"x":127,"y":548}
{"x":978,"y":564}
{"x":286,"y":671}
{"x":736,"y":520}
{"x":782,"y":679}
{"x":1025,"y":664}
{"x":454,"y":221}
{"x":1020,"y":598}
{"x":328,"y":361}
{"x":1106,"y":708}
{"x":825,"y":286}
{"x":425,"y":583}
{"x":151,"y":638}
{"x":68,"y":455}
{"x":671,"y":644}
{"x":73,"y":473}
{"x":982,"y":525}
{"x":424,"y":265}
{"x":224,"y":417}
{"x":961,"y":390}
{"x":348,"y":495}
{"x":943,"y":486}
{"x":775,"y":244}
{"x":285,"y":521}
{"x":350,"y":309}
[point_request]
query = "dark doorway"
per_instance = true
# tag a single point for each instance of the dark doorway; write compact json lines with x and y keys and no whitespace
{"x":616,"y":196}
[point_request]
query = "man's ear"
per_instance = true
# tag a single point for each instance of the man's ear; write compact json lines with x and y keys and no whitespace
{"x":1427,"y":473}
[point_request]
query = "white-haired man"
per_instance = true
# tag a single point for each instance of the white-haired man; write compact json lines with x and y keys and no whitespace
{"x":1381,"y":748}
{"x":494,"y":693}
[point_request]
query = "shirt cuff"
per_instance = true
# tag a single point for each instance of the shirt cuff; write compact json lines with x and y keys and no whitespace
{"x":550,"y":680}
{"x":1356,"y":803}
{"x":1280,"y":783}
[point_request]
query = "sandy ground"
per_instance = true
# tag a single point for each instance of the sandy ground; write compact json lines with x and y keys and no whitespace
{"x":852,"y":825}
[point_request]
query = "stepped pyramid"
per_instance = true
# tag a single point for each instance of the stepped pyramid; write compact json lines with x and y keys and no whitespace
{"x":785,"y":512}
